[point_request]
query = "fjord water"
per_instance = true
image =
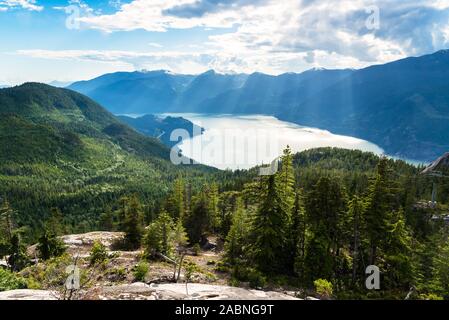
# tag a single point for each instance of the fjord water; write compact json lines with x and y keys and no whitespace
{"x":244,"y":141}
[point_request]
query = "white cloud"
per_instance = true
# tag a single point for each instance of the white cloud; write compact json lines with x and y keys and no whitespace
{"x":198,"y":62}
{"x":274,"y":35}
{"x":24,"y":4}
{"x":270,"y":36}
{"x":149,"y":15}
{"x":439,"y":4}
{"x":155,"y":45}
{"x":179,"y":62}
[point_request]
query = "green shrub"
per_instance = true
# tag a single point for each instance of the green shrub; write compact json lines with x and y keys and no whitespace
{"x":256,"y":279}
{"x":50,"y":246}
{"x":116,"y":274}
{"x":11,"y":281}
{"x":98,"y":253}
{"x":18,"y":258}
{"x":49,"y":275}
{"x":430,"y":296}
{"x":282,"y":280}
{"x":33,"y":284}
{"x":221,"y":267}
{"x":196,"y":249}
{"x":323,"y":288}
{"x":211,"y":277}
{"x":234,"y":282}
{"x":141,"y":271}
{"x":190,"y":269}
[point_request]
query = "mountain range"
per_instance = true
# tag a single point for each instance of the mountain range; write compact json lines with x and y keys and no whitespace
{"x":402,"y":106}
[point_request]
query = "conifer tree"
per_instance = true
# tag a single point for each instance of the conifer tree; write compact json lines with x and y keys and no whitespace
{"x":298,"y":234}
{"x":326,"y":214}
{"x":326,"y":210}
{"x":17,"y":259}
{"x":175,"y":204}
{"x":227,"y":206}
{"x":132,"y":224}
{"x":197,"y":222}
{"x":441,"y":263}
{"x":121,"y":211}
{"x":381,"y":203}
{"x":356,"y":209}
{"x":55,"y":223}
{"x":159,"y":235}
{"x":285,"y":181}
{"x":269,"y":239}
{"x":318,"y":263}
{"x":50,"y":246}
{"x":7,"y":221}
{"x":107,"y":220}
{"x":397,"y":262}
{"x":212,"y":194}
{"x":237,"y":238}
{"x":180,"y":238}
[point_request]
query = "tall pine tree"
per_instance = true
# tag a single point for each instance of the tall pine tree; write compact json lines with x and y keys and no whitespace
{"x":175,"y":204}
{"x":132,"y":223}
{"x":381,"y":203}
{"x":269,"y":239}
{"x":326,"y":213}
{"x":237,"y":238}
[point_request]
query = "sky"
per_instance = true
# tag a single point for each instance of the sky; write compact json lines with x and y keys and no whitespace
{"x":69,"y":40}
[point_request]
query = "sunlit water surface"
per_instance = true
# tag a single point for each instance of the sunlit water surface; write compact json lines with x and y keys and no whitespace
{"x":244,"y":141}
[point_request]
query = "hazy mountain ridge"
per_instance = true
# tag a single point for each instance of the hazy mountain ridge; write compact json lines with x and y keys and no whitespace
{"x":402,"y":106}
{"x":210,"y":92}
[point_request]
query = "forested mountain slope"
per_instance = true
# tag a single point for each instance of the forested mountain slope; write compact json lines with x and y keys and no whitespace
{"x":59,"y":148}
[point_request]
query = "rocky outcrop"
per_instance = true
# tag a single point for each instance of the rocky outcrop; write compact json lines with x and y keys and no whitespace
{"x":167,"y":291}
{"x":114,"y":280}
{"x":177,"y":291}
{"x":28,"y":294}
{"x":199,"y":291}
{"x":81,"y":244}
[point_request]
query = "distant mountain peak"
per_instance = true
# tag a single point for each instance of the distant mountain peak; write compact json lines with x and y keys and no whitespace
{"x":443,"y":51}
{"x":221,"y":73}
{"x":161,"y":71}
{"x":60,"y":84}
